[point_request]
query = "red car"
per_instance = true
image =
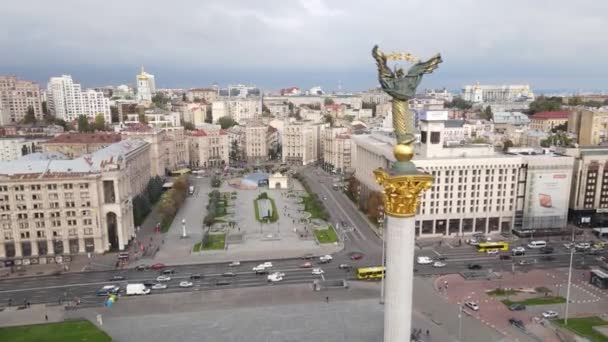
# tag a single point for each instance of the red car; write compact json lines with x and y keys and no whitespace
{"x":306,"y":265}
{"x":158,"y":266}
{"x":356,"y":257}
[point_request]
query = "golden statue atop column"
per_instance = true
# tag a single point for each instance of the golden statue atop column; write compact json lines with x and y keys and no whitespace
{"x":403,"y":184}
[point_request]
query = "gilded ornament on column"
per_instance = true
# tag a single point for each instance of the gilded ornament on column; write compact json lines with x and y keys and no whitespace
{"x":402,"y":192}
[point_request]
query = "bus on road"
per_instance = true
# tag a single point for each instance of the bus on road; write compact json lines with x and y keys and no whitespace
{"x":484,"y":246}
{"x":370,"y":272}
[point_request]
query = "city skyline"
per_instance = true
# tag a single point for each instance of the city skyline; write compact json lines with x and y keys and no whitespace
{"x":306,"y":43}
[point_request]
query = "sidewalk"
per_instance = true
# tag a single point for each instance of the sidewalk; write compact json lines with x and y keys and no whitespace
{"x":33,"y":315}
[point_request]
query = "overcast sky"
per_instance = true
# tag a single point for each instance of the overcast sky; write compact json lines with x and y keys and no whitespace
{"x":550,"y":44}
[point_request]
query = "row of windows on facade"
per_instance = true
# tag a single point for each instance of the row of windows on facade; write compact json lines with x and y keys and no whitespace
{"x":41,"y":234}
{"x":37,"y":187}
{"x":42,"y":224}
{"x":50,"y":196}
{"x":463,"y":210}
{"x":40,"y":215}
{"x":52,"y":205}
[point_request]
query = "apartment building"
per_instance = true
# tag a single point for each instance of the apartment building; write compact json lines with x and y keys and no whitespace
{"x":255,"y":142}
{"x":239,"y":109}
{"x":14,"y":148}
{"x":546,"y":121}
{"x":497,"y":93}
{"x":66,"y":100}
{"x":589,"y":199}
{"x":74,"y":145}
{"x":590,"y":125}
{"x":58,"y":207}
{"x":16,"y":97}
{"x":476,"y":189}
{"x":208,"y":148}
{"x":302,"y":143}
{"x":208,"y":95}
{"x":157,"y":118}
{"x":337,"y":149}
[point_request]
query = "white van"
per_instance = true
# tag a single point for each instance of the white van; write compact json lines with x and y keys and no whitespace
{"x":137,"y":289}
{"x":191,"y":190}
{"x":537,"y":244}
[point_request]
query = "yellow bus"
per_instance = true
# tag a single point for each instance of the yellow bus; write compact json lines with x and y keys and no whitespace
{"x":501,"y":246}
{"x":370,"y":272}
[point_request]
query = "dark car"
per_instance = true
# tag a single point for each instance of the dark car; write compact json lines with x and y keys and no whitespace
{"x":441,"y":257}
{"x":221,"y":282}
{"x":195,"y":276}
{"x":504,"y":257}
{"x":141,"y":267}
{"x":345,"y":267}
{"x":547,"y":258}
{"x":546,"y":250}
{"x":228,"y":274}
{"x":517,"y":323}
{"x":474,"y":266}
{"x":149,"y":283}
{"x":117,"y":277}
{"x":517,"y":307}
{"x":357,"y":256}
{"x":158,"y":266}
{"x":167,"y":272}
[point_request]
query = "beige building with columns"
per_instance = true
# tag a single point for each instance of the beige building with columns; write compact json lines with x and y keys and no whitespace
{"x":208,"y":148}
{"x":302,"y":143}
{"x":58,"y":207}
{"x":337,"y":149}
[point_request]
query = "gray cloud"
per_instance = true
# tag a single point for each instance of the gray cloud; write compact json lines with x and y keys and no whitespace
{"x":539,"y":42}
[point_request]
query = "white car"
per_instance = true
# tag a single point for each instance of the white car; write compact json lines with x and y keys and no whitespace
{"x":518,"y":251}
{"x":185,"y":283}
{"x":568,"y":245}
{"x":582,"y":245}
{"x":317,"y":271}
{"x":279,"y":274}
{"x":274,"y":278}
{"x":234,"y":263}
{"x":492,"y":251}
{"x":549,"y":314}
{"x":267,"y":264}
{"x":472,"y":305}
{"x":325,"y":258}
{"x":439,"y":264}
{"x":159,"y":286}
{"x":473,"y":242}
{"x":259,"y":268}
{"x":163,"y":278}
{"x":424,"y":260}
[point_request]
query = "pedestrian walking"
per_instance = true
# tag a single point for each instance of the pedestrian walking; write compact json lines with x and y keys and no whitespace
{"x":46,"y":318}
{"x":427,"y":332}
{"x":326,"y":299}
{"x":28,"y":303}
{"x":10,"y":302}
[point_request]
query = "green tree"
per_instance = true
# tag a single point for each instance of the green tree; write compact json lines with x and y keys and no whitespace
{"x":45,"y":108}
{"x":142,"y":118}
{"x":328,"y":102}
{"x":114,"y":116}
{"x":100,"y":123}
{"x":506,"y":145}
{"x":459,"y":103}
{"x":560,"y":128}
{"x":575,"y":101}
{"x":329,"y":119}
{"x":545,"y":104}
{"x":189,"y":126}
{"x":24,"y":150}
{"x":30,"y":116}
{"x":83,"y":124}
{"x":160,"y":100}
{"x":596,"y":104}
{"x":487,"y":113}
{"x":208,"y":116}
{"x":226,"y":122}
{"x":557,"y":139}
{"x":234,"y":151}
{"x":479,"y":140}
{"x":184,"y":97}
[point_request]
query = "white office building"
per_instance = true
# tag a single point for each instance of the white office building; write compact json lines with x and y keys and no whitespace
{"x":66,"y":100}
{"x":497,"y":93}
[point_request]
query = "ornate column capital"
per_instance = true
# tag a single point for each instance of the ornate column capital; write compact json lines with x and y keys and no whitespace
{"x":401,"y":192}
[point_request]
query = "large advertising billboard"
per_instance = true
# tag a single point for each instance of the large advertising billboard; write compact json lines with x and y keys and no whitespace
{"x":549,"y":193}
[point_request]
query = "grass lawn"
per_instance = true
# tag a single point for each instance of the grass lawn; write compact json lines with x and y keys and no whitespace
{"x":312,"y":207}
{"x":275,"y":212}
{"x":326,"y":235}
{"x":501,"y":292}
{"x":536,"y":301}
{"x":583,"y":326}
{"x":55,"y":332}
{"x":214,"y":241}
{"x":197,"y":247}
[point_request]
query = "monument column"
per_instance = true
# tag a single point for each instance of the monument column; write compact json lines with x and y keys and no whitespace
{"x":402,"y":186}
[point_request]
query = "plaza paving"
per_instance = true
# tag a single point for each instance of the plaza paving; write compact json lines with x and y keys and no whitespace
{"x":248,"y":239}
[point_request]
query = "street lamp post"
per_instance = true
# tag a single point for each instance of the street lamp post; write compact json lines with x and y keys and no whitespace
{"x":184,"y":228}
{"x":569,"y":283}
